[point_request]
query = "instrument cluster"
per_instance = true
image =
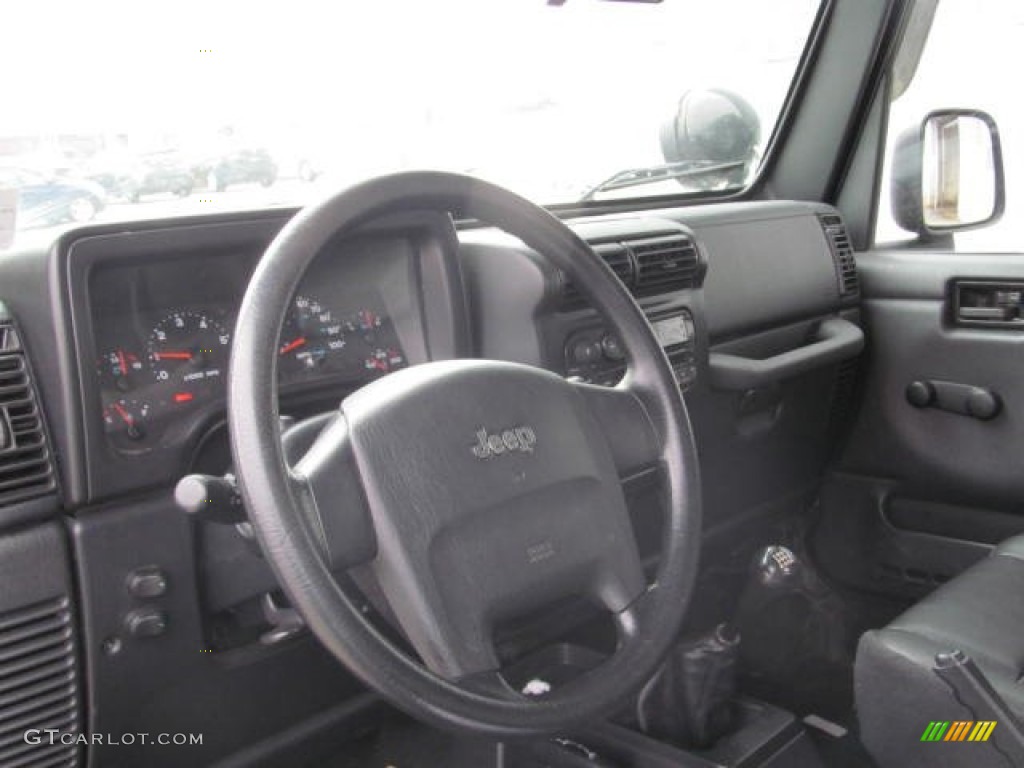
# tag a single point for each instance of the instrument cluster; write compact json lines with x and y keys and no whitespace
{"x":163,"y":335}
{"x":182,"y":362}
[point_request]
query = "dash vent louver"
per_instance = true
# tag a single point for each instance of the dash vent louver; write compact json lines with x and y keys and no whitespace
{"x":665,"y":263}
{"x":26,"y":468}
{"x":842,"y":253}
{"x":38,"y":686}
{"x":648,"y":265}
{"x":616,"y":256}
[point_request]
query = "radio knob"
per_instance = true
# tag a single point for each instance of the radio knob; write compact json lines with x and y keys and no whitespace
{"x":585,"y":352}
{"x":612,"y":348}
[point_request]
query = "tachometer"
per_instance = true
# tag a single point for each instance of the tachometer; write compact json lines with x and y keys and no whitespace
{"x":311,"y":335}
{"x":188,"y":348}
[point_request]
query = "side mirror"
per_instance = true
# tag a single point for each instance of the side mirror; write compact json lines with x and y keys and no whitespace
{"x":948,"y":174}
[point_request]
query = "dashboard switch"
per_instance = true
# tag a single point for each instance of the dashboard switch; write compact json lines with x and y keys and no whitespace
{"x":146,"y":623}
{"x":147,"y":583}
{"x":586,"y":351}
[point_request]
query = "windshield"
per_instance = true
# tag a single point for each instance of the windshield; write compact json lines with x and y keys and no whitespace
{"x":115,"y":111}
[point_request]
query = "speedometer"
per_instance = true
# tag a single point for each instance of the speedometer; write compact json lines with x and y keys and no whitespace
{"x":189,"y":349}
{"x":312,"y":336}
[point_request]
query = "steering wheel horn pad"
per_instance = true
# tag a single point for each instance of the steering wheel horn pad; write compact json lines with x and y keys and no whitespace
{"x":475,"y":490}
{"x":492,"y":492}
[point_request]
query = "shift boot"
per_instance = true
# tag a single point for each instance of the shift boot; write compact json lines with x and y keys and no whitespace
{"x":689,"y":701}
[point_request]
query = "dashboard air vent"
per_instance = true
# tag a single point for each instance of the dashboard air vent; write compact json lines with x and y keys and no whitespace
{"x":665,"y":263}
{"x":25,"y":466}
{"x":38,"y":686}
{"x":615,"y":256}
{"x":842,"y":253}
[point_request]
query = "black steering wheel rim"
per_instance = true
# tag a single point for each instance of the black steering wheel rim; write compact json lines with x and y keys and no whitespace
{"x":648,"y":626}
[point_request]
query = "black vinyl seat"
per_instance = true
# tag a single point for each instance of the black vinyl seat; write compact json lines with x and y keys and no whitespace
{"x":981,"y":612}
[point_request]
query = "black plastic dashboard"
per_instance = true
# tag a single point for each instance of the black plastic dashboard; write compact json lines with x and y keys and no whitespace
{"x":143,"y":302}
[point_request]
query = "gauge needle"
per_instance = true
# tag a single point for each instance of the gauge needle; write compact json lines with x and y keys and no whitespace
{"x":124,"y":414}
{"x":121,"y":361}
{"x":172,"y":355}
{"x":292,"y":345}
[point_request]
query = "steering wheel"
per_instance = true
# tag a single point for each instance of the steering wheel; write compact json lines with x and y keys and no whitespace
{"x":477,"y":490}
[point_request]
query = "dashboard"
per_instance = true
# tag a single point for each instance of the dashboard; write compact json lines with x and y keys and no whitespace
{"x":139,"y":317}
{"x":151,"y":309}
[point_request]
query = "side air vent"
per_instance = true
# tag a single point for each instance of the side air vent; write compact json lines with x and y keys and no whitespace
{"x":38,"y":686}
{"x":665,"y":264}
{"x":25,"y":466}
{"x":842,"y":253}
{"x":615,"y":256}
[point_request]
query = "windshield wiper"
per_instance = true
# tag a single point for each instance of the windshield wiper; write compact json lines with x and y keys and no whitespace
{"x":636,"y":177}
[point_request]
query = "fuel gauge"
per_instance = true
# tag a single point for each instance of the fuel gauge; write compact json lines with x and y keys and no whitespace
{"x":127,"y":418}
{"x":384,"y":360}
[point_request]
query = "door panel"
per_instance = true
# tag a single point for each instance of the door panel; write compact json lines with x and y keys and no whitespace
{"x":922,"y":492}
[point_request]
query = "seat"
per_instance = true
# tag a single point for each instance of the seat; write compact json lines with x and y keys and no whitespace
{"x":981,"y":612}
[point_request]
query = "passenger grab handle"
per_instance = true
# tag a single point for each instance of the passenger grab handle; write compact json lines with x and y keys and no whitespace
{"x":836,"y":340}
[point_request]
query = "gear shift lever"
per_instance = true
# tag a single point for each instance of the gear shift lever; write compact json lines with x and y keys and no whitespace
{"x":777,"y":566}
{"x":689,"y":701}
{"x":794,"y":628}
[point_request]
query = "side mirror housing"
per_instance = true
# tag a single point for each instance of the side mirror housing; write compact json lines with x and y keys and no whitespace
{"x":948,"y":174}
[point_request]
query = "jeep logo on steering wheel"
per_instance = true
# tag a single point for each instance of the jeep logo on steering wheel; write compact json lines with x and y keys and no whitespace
{"x":521,"y":439}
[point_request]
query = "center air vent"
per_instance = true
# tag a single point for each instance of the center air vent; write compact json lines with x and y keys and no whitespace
{"x":665,"y":264}
{"x":842,"y":253}
{"x":650,"y":265}
{"x":25,"y":466}
{"x":615,"y":256}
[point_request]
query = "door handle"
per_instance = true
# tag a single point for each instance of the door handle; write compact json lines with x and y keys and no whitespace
{"x":987,"y":313}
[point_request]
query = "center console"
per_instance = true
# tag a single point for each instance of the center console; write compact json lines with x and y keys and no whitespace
{"x":595,"y":356}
